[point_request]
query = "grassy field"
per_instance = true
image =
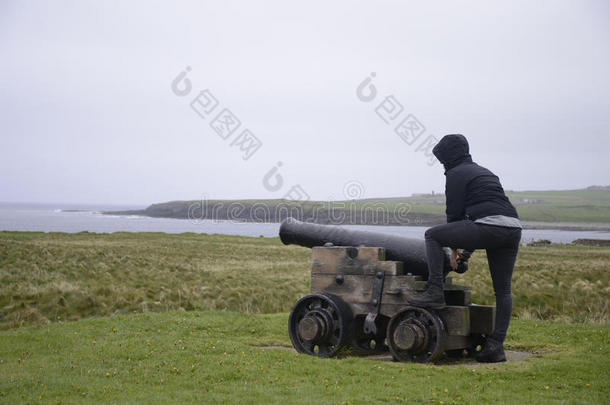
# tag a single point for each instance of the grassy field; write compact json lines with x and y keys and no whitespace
{"x":51,"y":277}
{"x":225,"y":357}
{"x":203,"y":318}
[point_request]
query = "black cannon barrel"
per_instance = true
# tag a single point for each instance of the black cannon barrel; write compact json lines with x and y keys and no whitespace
{"x":411,"y":251}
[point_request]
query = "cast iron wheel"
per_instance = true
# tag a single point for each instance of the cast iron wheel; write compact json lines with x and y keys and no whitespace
{"x":319,"y":325}
{"x":416,"y":334}
{"x":369,"y":343}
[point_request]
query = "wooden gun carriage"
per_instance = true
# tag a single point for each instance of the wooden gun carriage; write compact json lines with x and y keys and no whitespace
{"x":358,"y":299}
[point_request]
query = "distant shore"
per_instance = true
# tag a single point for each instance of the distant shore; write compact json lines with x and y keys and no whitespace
{"x":567,"y":226}
{"x":562,"y":226}
{"x":572,"y":210}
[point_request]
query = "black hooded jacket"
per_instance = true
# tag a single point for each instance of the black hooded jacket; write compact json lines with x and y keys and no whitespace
{"x":472,"y":191}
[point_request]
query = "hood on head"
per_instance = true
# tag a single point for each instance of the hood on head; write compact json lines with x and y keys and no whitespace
{"x":452,"y":150}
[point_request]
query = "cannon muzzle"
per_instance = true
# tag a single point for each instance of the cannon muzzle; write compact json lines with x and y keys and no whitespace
{"x":410,"y":251}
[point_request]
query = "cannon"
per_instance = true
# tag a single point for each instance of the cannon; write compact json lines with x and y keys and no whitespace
{"x":360,"y":282}
{"x":410,"y":251}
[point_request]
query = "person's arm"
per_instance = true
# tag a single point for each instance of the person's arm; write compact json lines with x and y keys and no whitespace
{"x":455,"y":194}
{"x":453,"y":259}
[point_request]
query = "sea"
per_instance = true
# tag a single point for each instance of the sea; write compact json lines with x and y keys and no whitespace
{"x":74,"y":218}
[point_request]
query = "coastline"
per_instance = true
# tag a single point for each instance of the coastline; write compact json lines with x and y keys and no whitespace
{"x":561,"y":226}
{"x":567,"y":226}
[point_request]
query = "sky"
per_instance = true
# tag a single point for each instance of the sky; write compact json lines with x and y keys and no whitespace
{"x":136,"y":102}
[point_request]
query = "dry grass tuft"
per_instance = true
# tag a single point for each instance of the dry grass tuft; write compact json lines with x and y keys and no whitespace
{"x":70,"y":276}
{"x":56,"y":277}
{"x":558,"y":282}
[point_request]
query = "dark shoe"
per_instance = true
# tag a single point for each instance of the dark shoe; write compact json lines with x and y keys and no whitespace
{"x":433,"y":297}
{"x":492,"y":352}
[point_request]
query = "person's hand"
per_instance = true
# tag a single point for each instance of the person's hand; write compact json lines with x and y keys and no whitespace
{"x":454,"y":256}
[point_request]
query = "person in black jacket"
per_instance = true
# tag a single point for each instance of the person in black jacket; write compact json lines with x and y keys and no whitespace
{"x":479,"y":216}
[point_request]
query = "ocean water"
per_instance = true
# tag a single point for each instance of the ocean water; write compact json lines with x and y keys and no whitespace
{"x":74,"y":218}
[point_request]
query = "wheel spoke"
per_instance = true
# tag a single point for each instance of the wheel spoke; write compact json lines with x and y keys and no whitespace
{"x":300,"y":312}
{"x":308,"y":346}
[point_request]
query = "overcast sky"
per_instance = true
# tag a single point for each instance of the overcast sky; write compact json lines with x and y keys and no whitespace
{"x":88,"y":112}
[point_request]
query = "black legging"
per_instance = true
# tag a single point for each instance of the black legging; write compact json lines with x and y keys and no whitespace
{"x":501,"y":244}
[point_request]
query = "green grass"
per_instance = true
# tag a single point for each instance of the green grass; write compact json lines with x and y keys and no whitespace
{"x":185,"y":318}
{"x":218,"y":357}
{"x":55,"y":276}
